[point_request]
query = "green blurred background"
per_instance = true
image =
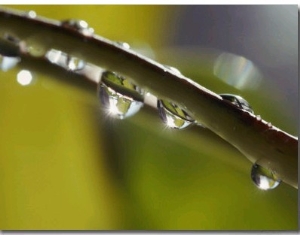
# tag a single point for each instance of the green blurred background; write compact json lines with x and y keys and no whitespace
{"x":66,"y":165}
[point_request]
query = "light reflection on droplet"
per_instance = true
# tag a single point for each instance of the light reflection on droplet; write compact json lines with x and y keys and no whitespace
{"x":119,"y":97}
{"x":66,"y":61}
{"x":173,"y":116}
{"x":24,"y":77}
{"x":264,"y":178}
{"x":237,"y":71}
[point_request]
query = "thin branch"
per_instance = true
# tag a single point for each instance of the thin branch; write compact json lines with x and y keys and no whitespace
{"x":252,"y":136}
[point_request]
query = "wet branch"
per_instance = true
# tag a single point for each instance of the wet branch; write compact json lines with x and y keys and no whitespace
{"x":252,"y":136}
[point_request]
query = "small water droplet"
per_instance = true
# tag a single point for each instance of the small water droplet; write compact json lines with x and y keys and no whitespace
{"x":237,"y":100}
{"x":264,"y":178}
{"x":74,"y":63}
{"x":35,"y":50}
{"x":7,"y":62}
{"x":31,"y":14}
{"x":172,"y":115}
{"x":173,"y":69}
{"x":79,"y":26}
{"x":125,"y":45}
{"x":120,"y":98}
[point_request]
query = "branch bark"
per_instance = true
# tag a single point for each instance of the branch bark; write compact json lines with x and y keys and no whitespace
{"x":255,"y":138}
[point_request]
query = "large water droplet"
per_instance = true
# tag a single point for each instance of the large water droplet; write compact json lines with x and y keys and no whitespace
{"x":172,"y":115}
{"x":7,"y":62}
{"x":238,"y":101}
{"x":120,"y":98}
{"x":264,"y":178}
{"x":79,"y":26}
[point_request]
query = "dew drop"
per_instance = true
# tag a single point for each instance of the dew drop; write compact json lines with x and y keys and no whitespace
{"x":125,"y":45}
{"x":172,"y":115}
{"x":264,"y":178}
{"x":74,"y":63}
{"x":238,"y":101}
{"x":31,"y":14}
{"x":79,"y":26}
{"x":120,"y":98}
{"x":173,"y":69}
{"x":36,"y":50}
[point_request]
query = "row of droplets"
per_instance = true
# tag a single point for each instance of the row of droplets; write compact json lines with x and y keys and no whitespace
{"x":122,"y":99}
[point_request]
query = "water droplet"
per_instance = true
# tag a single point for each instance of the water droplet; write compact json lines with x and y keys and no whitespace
{"x":172,"y":115}
{"x":264,"y":178}
{"x":120,"y":98}
{"x":7,"y":62}
{"x":66,"y":61}
{"x":238,"y":101}
{"x":173,"y":69}
{"x":125,"y":45}
{"x":74,"y":63}
{"x":31,"y":14}
{"x":79,"y":26}
{"x":35,"y":50}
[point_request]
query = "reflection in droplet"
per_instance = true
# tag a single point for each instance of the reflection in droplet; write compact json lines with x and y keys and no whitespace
{"x":264,"y":178}
{"x":36,"y":50}
{"x":79,"y":26}
{"x":172,"y":115}
{"x":120,"y":98}
{"x":74,"y":63}
{"x":237,"y":100}
{"x":237,"y":71}
{"x":7,"y":62}
{"x":24,"y":77}
{"x":64,"y":60}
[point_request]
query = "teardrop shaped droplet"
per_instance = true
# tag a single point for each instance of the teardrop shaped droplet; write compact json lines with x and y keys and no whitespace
{"x":239,"y":101}
{"x":120,"y":98}
{"x":172,"y":115}
{"x":264,"y":178}
{"x":7,"y":62}
{"x":79,"y":26}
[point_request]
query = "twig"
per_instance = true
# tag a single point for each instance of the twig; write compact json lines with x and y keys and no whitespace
{"x":252,"y":136}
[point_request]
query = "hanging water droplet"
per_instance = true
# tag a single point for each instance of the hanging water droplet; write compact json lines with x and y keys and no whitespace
{"x":79,"y":26}
{"x":66,"y":61}
{"x":264,"y":178}
{"x":120,"y":98}
{"x":7,"y":62}
{"x":238,"y":101}
{"x":172,"y":115}
{"x":74,"y":63}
